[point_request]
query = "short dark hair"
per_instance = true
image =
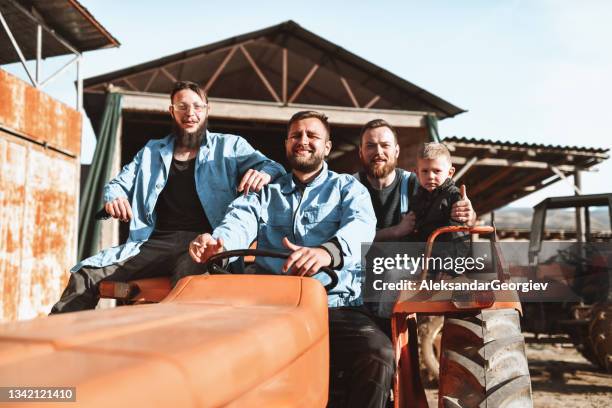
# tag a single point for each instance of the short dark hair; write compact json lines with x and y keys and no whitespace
{"x":180,"y":85}
{"x":301,"y":115}
{"x":376,"y":123}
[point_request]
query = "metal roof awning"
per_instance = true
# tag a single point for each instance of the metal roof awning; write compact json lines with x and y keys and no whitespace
{"x":67,"y":27}
{"x":284,"y":64}
{"x":592,"y":200}
{"x":497,"y":173}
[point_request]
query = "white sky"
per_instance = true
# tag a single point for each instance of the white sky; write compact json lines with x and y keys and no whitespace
{"x":537,"y":71}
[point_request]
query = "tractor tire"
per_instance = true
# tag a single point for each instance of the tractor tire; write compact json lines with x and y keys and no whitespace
{"x":483,"y":361}
{"x":600,"y":333}
{"x":430,"y":342}
{"x":581,"y":338}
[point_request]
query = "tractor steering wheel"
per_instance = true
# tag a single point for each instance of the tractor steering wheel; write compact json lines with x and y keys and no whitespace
{"x":215,"y":269}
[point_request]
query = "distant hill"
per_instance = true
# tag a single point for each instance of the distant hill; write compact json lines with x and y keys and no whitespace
{"x":556,"y":220}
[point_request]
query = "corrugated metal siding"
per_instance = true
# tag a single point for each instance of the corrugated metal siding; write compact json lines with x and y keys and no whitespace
{"x":38,"y":200}
{"x":37,"y":116}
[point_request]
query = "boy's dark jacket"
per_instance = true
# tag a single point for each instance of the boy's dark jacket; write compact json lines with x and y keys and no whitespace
{"x":433,"y":210}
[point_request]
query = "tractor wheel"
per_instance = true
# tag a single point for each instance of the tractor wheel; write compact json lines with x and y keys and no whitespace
{"x":430,"y":342}
{"x":600,"y":333}
{"x":581,"y":338}
{"x":483,"y":361}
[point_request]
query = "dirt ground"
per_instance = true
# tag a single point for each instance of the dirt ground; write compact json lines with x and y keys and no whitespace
{"x":561,"y":377}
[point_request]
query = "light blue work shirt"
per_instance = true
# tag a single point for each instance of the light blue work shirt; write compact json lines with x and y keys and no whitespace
{"x":221,"y":162}
{"x":332,"y":205}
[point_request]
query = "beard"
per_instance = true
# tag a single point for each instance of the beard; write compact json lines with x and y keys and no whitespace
{"x":377,"y":171}
{"x":305,"y":164}
{"x":189,"y":140}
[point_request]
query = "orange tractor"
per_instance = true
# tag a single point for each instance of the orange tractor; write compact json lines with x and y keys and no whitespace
{"x":255,"y":340}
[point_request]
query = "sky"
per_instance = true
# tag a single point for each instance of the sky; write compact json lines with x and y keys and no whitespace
{"x":536,"y":71}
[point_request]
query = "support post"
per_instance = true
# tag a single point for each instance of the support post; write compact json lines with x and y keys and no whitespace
{"x":38,"y":53}
{"x":79,"y":98}
{"x":579,"y":229}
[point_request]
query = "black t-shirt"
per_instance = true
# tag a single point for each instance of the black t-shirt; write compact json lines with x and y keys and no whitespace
{"x":386,"y":202}
{"x":178,"y":207}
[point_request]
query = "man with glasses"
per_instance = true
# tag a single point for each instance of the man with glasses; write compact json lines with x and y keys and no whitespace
{"x":174,"y":189}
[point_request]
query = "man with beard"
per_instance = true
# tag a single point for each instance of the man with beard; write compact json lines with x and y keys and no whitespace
{"x":393,"y":194}
{"x":391,"y":187}
{"x":174,"y":189}
{"x":322,"y":218}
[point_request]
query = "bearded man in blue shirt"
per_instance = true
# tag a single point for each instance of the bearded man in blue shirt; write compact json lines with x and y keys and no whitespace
{"x":174,"y":189}
{"x":322,"y":218}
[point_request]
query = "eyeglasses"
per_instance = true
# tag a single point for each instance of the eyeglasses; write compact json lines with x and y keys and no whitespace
{"x":184,"y":107}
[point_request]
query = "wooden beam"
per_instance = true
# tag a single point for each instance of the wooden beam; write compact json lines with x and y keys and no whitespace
{"x":465,"y":168}
{"x":285,"y":69}
{"x":150,"y":81}
{"x":489,"y":181}
{"x":187,"y":59}
{"x":260,"y":74}
{"x":131,"y":85}
{"x":526,"y":164}
{"x":499,"y":196}
{"x":562,"y":176}
{"x":349,"y":91}
{"x":375,"y":99}
{"x":168,"y":75}
{"x":305,"y":81}
{"x":220,"y":69}
{"x":272,"y":112}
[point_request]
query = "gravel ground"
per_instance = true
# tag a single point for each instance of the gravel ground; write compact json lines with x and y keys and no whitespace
{"x":561,"y":377}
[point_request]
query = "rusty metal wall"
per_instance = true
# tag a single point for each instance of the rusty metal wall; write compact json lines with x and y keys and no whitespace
{"x":39,"y":187}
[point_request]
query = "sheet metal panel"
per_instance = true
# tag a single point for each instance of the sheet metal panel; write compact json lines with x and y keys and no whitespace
{"x":39,"y":191}
{"x":37,"y":116}
{"x":38,"y":226}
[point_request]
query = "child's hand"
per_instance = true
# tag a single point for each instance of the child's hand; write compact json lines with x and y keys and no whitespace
{"x":462,"y":210}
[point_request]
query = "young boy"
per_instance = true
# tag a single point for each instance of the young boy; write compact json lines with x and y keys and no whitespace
{"x":435,"y":194}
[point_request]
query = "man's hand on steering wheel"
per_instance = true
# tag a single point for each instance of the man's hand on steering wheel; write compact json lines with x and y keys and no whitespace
{"x":305,"y":261}
{"x":205,"y":246}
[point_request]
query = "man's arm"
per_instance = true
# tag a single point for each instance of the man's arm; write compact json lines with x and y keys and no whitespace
{"x":241,"y":222}
{"x":357,"y":223}
{"x":118,"y":192}
{"x":123,"y":184}
{"x":398,"y":231}
{"x":254,"y":168}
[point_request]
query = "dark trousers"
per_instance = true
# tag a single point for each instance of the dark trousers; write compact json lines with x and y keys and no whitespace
{"x":164,"y":254}
{"x":362,"y":359}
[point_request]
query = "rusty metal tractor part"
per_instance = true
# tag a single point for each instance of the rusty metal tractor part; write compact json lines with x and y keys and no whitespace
{"x":483,"y":361}
{"x":430,"y":345}
{"x":600,"y":335}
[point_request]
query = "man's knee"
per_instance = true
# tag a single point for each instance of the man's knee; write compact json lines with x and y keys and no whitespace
{"x":81,"y":293}
{"x":380,"y":349}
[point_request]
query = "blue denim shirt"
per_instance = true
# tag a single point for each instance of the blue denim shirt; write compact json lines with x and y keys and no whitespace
{"x":220,"y":163}
{"x":332,"y":205}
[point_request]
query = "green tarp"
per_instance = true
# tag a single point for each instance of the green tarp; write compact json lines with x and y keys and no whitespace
{"x":99,"y":174}
{"x":432,"y":126}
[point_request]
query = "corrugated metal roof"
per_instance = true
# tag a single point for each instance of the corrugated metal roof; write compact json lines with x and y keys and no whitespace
{"x":500,"y":172}
{"x":67,"y":18}
{"x":307,"y":48}
{"x":550,"y":147}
